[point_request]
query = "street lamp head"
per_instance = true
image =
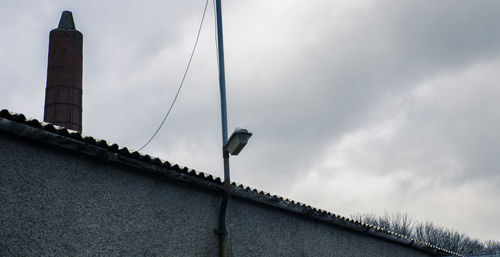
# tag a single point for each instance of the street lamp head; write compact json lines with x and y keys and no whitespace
{"x":237,"y":141}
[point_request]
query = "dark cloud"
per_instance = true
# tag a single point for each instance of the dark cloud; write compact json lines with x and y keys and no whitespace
{"x":392,"y":101}
{"x":332,"y":85}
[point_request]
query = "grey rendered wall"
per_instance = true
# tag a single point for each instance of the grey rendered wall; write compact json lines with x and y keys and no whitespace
{"x":260,"y":231}
{"x":59,"y":203}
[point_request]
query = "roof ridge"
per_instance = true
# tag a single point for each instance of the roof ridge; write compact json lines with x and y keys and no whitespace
{"x":111,"y":147}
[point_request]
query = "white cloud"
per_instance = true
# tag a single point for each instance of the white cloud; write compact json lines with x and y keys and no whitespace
{"x":355,"y":105}
{"x":419,"y":153}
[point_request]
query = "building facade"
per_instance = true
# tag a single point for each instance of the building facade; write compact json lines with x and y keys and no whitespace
{"x":66,"y":194}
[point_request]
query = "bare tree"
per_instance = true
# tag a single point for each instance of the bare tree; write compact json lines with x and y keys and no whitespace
{"x":401,"y":223}
{"x":492,"y":247}
{"x":448,"y":239}
{"x":428,"y":232}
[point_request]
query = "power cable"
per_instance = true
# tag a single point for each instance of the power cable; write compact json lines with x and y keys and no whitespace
{"x":183,"y":78}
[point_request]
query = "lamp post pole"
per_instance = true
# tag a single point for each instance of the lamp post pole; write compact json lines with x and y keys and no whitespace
{"x":222,"y":230}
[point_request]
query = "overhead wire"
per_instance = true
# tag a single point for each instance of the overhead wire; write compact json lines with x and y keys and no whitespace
{"x":182,"y":81}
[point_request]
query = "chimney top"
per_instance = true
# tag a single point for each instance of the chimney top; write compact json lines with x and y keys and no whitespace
{"x":66,"y":21}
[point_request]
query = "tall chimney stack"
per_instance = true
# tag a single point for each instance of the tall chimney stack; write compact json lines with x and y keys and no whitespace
{"x":63,"y":95}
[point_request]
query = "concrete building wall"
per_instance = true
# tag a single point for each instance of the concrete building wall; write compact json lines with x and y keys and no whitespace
{"x":257,"y":230}
{"x":55,"y":202}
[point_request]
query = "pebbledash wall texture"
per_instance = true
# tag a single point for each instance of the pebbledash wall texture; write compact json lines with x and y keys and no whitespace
{"x":65,"y":194}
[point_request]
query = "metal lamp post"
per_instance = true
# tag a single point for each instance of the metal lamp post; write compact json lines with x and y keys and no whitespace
{"x":232,"y":146}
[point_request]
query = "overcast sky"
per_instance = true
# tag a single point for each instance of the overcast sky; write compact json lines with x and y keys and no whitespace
{"x":356,"y":106}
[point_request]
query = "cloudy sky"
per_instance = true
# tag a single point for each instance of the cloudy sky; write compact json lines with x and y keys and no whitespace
{"x":355,"y":105}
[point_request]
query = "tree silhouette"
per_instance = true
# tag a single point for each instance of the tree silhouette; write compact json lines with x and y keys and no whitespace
{"x":428,"y":232}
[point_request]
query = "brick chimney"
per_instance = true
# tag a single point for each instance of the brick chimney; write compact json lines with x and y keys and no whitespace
{"x":63,"y":95}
